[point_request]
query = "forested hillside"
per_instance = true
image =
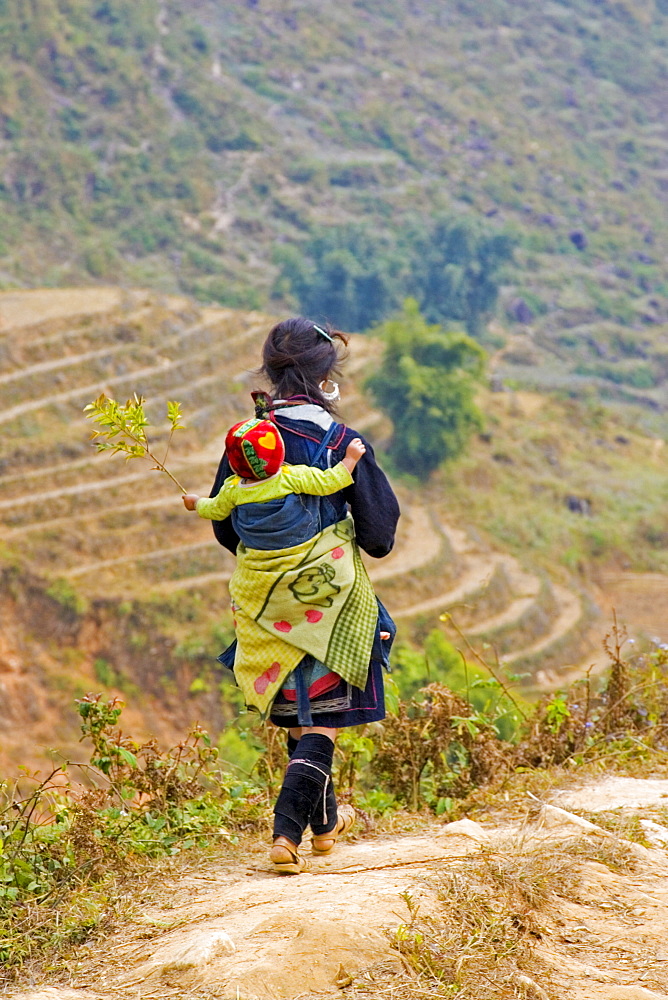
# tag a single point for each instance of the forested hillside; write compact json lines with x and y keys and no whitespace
{"x":291,"y":153}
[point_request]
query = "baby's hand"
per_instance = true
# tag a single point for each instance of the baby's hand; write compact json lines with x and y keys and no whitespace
{"x":356,"y":449}
{"x":190,"y":500}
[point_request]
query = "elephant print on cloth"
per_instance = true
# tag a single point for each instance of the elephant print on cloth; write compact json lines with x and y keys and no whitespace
{"x":314,"y":586}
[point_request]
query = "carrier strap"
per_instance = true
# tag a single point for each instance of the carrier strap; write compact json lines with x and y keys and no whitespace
{"x":329,"y":434}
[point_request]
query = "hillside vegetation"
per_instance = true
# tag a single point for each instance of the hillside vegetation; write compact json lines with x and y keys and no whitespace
{"x":188,"y":147}
{"x":514,"y":539}
{"x":107,"y":585}
{"x":157,"y":864}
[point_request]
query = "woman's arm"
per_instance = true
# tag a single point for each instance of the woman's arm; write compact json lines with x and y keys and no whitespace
{"x":374,"y":507}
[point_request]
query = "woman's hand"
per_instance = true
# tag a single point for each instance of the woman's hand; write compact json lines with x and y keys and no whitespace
{"x":190,"y":500}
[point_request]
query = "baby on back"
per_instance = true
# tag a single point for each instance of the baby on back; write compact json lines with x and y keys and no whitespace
{"x":266,"y":497}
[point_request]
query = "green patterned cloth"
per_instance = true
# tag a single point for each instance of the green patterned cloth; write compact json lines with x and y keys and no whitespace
{"x":312,"y":598}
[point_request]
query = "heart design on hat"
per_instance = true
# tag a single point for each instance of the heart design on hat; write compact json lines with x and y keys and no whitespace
{"x":313,"y":616}
{"x":283,"y":626}
{"x":267,"y":440}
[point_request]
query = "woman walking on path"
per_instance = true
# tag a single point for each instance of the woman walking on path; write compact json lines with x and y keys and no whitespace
{"x":312,"y":640}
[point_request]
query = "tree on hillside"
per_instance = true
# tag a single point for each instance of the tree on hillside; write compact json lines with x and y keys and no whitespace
{"x":456,"y":268}
{"x":351,"y":277}
{"x":426,"y":385}
{"x":344,"y":275}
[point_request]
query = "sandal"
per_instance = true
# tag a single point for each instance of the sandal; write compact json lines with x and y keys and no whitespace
{"x":323,"y":843}
{"x":285,"y":860}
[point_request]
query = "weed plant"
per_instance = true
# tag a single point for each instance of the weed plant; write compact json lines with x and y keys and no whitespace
{"x":66,"y":837}
{"x":438,"y":747}
{"x":493,"y":907}
{"x":68,"y":840}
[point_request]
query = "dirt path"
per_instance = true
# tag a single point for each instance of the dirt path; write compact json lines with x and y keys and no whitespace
{"x":227,"y":930}
{"x":570,"y":612}
{"x":477,"y":572}
{"x":223,"y":209}
{"x":247,"y":932}
{"x":510,"y":614}
{"x":525,"y":585}
{"x":477,"y":569}
{"x":418,"y":545}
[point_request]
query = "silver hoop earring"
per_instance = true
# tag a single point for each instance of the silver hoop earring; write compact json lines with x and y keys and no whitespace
{"x":333,"y":394}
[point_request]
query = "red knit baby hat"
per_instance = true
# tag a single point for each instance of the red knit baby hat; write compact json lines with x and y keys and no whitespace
{"x":255,"y":449}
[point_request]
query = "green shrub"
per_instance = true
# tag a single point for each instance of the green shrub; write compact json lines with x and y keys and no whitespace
{"x":105,"y":673}
{"x":345,"y":274}
{"x":426,"y":384}
{"x":456,"y":268}
{"x":442,"y":663}
{"x":67,"y":596}
{"x":142,"y":802}
{"x":101,"y":261}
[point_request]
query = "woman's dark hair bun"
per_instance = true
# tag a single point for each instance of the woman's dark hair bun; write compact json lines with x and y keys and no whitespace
{"x":296,"y":357}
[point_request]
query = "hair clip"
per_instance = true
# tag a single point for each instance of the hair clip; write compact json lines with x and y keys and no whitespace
{"x":323,"y":333}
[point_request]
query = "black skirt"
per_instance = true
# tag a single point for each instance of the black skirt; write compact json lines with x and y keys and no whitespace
{"x":338,"y":708}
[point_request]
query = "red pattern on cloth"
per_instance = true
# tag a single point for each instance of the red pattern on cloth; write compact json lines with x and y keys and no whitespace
{"x":320,"y":686}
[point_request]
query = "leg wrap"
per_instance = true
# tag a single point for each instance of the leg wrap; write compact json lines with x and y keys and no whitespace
{"x":303,"y":794}
{"x":321,"y":809}
{"x":324,"y":809}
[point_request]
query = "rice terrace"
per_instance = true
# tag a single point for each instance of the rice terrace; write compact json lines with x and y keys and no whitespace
{"x":474,"y":197}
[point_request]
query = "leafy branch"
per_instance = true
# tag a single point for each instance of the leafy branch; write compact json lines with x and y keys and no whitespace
{"x":123,"y":429}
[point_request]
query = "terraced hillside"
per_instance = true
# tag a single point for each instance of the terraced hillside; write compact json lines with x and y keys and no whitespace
{"x":187,"y":146}
{"x":114,"y":529}
{"x":110,"y":535}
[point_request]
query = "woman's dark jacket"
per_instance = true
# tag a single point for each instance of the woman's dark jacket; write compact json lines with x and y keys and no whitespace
{"x":375,"y":511}
{"x":371,"y":500}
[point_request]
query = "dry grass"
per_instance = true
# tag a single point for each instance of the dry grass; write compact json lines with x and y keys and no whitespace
{"x":495,"y":907}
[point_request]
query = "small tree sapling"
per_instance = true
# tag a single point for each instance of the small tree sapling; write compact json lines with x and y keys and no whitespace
{"x":123,"y":429}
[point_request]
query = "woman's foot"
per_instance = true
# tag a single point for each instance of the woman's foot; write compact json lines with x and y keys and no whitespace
{"x":323,"y":843}
{"x":284,"y":857}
